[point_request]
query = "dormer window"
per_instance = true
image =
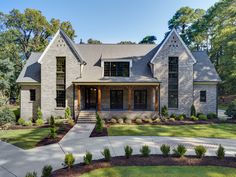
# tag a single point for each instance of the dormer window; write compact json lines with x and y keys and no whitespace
{"x":116,"y":69}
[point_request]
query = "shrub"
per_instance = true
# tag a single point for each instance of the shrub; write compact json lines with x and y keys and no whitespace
{"x":53,"y":132}
{"x":28,"y":123}
{"x":202,"y":117}
{"x":128,"y":121}
{"x":7,"y":116}
{"x":164,"y":111}
{"x":157,"y":120}
{"x":71,"y":122}
{"x":120,"y":121}
{"x":193,"y":118}
{"x":231,"y":109}
{"x":17,"y":113}
{"x":200,"y":151}
{"x":180,"y":117}
{"x":69,"y":160}
{"x":173,"y":116}
{"x":39,"y":122}
{"x":106,"y":153}
{"x":220,"y":153}
{"x":171,"y":119}
{"x":193,"y":111}
{"x":47,"y":171}
{"x":145,"y":151}
{"x":39,"y":114}
{"x":165,"y":149}
{"x":21,"y":121}
{"x":211,"y":115}
{"x":138,"y":121}
{"x":88,"y":158}
{"x":99,"y":124}
{"x":113,"y":121}
{"x":128,"y":151}
{"x":52,"y":121}
{"x":180,"y":151}
{"x":31,"y":174}
{"x":67,"y":113}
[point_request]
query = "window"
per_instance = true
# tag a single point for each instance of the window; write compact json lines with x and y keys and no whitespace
{"x":32,"y":95}
{"x":120,"y":69}
{"x":140,"y":99}
{"x":60,"y":82}
{"x":116,"y":99}
{"x":202,"y":96}
{"x":173,"y":82}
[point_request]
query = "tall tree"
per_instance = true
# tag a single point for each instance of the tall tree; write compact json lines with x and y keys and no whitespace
{"x":93,"y":41}
{"x":148,"y":40}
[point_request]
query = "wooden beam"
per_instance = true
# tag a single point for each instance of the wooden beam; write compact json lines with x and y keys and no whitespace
{"x":129,"y":98}
{"x":99,"y":98}
{"x":79,"y":97}
{"x":156,"y":98}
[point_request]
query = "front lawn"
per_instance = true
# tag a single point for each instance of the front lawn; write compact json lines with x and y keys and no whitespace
{"x":163,"y":171}
{"x":24,"y":138}
{"x":225,"y":130}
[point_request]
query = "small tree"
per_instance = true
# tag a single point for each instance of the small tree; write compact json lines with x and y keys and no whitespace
{"x":106,"y":153}
{"x":231,"y":110}
{"x":220,"y":152}
{"x":99,"y":124}
{"x":69,"y":160}
{"x":67,"y":113}
{"x":165,"y":149}
{"x":164,"y":111}
{"x":145,"y":151}
{"x":88,"y":158}
{"x":128,"y":151}
{"x":39,"y":114}
{"x":52,"y":121}
{"x":193,"y":110}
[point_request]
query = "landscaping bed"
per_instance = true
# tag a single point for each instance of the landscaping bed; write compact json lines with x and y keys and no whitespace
{"x":99,"y":134}
{"x":138,"y":160}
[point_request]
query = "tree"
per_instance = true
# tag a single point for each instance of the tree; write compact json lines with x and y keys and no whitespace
{"x":148,"y":40}
{"x":126,"y":42}
{"x":93,"y":41}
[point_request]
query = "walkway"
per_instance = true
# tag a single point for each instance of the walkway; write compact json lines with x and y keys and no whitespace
{"x":16,"y":162}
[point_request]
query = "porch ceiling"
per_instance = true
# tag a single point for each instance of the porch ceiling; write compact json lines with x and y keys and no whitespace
{"x":116,"y":83}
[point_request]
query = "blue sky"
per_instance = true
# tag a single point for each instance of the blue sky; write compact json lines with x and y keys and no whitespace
{"x":110,"y":21}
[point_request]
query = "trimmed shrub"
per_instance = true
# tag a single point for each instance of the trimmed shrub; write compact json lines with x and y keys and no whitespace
{"x":138,"y":121}
{"x":173,"y":116}
{"x":171,"y":119}
{"x":220,"y":153}
{"x":47,"y":171}
{"x":39,"y":122}
{"x":69,"y":160}
{"x":67,"y":113}
{"x":88,"y":158}
{"x":113,"y":121}
{"x":231,"y":109}
{"x":202,"y":117}
{"x":52,"y":121}
{"x":165,"y":149}
{"x":28,"y":123}
{"x":180,"y":151}
{"x":99,"y":124}
{"x":211,"y":115}
{"x":200,"y":151}
{"x":164,"y":111}
{"x":31,"y":174}
{"x":149,"y":120}
{"x":193,"y":118}
{"x":53,"y":132}
{"x":7,"y":116}
{"x":180,"y":117}
{"x":106,"y":153}
{"x":71,"y":122}
{"x":145,"y":151}
{"x":193,"y":111}
{"x":120,"y":121}
{"x":21,"y":121}
{"x":39,"y":114}
{"x":157,"y":120}
{"x":128,"y":151}
{"x":128,"y":121}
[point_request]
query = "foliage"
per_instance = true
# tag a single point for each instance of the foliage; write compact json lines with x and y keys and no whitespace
{"x":211,"y":115}
{"x":148,"y":40}
{"x":39,"y":114}
{"x":180,"y":117}
{"x":200,"y":151}
{"x":173,"y":115}
{"x":52,"y":121}
{"x":67,"y":113}
{"x":180,"y":151}
{"x":145,"y":151}
{"x":39,"y":122}
{"x":164,"y":111}
{"x":202,"y":117}
{"x":193,"y":118}
{"x":7,"y":116}
{"x":53,"y":132}
{"x":21,"y":121}
{"x":69,"y":160}
{"x":128,"y":151}
{"x":138,"y":121}
{"x":99,"y":124}
{"x":47,"y":171}
{"x":106,"y":153}
{"x":28,"y":123}
{"x":165,"y":149}
{"x":31,"y":174}
{"x":171,"y":119}
{"x":220,"y":153}
{"x":93,"y":41}
{"x":88,"y":158}
{"x":231,"y":110}
{"x":193,"y":111}
{"x":126,"y":42}
{"x":71,"y":122}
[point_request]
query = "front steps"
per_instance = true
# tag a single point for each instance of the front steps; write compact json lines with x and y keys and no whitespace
{"x":87,"y":117}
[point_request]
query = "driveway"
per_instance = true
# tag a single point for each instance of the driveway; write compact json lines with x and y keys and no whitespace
{"x":17,"y":162}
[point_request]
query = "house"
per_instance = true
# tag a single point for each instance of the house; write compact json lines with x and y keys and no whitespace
{"x":133,"y":79}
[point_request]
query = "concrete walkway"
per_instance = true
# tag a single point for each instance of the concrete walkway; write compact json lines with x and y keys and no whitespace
{"x":17,"y":162}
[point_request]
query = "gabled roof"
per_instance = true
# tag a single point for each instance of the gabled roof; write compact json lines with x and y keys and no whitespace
{"x":68,"y":41}
{"x":166,"y":39}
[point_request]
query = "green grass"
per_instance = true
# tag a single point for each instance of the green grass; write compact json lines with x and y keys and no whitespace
{"x":24,"y":138}
{"x":225,"y":130}
{"x":163,"y":171}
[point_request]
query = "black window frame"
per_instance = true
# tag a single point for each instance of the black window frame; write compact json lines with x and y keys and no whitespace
{"x":61,"y":82}
{"x":116,"y":69}
{"x":173,"y":82}
{"x":203,"y":96}
{"x":32,"y":95}
{"x":140,"y":93}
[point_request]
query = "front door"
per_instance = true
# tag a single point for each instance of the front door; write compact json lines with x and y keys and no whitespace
{"x":90,"y":98}
{"x":116,"y":99}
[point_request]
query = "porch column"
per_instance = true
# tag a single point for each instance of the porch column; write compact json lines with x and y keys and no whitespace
{"x":78,"y":97}
{"x":156,"y":88}
{"x":129,"y":98}
{"x":99,"y":98}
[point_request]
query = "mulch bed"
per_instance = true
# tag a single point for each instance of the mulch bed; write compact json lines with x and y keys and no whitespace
{"x":138,"y":160}
{"x":99,"y":134}
{"x":61,"y":132}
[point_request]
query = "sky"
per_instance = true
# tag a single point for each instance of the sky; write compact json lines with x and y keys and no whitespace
{"x":110,"y":21}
